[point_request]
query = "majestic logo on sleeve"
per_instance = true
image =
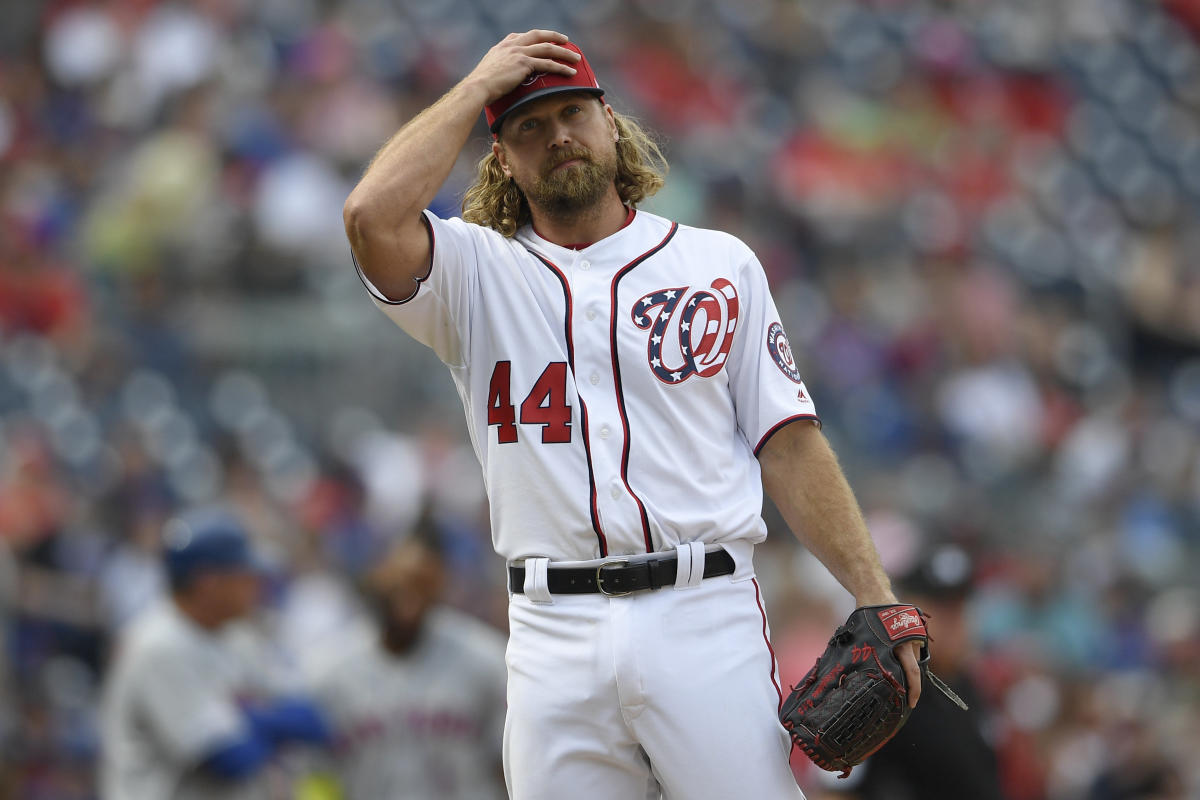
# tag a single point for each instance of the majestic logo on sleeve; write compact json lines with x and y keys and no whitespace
{"x":702,"y":330}
{"x":781,"y":352}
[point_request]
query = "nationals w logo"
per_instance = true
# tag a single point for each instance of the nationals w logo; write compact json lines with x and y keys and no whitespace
{"x":703,"y":330}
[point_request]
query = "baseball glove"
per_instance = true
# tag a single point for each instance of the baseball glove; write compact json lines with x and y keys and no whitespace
{"x":855,"y":697}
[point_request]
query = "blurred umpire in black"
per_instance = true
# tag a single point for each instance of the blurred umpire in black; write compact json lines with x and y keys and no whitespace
{"x":941,"y":753}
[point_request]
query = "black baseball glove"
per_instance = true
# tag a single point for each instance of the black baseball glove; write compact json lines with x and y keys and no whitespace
{"x":855,"y":698}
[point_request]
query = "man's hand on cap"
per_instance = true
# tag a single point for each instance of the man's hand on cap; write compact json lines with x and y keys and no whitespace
{"x":519,"y":55}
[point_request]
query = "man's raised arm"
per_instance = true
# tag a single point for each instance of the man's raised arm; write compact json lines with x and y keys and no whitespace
{"x":383,"y":213}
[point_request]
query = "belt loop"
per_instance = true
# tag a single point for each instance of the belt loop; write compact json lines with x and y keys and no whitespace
{"x":743,"y":559}
{"x":537,"y":587}
{"x":697,"y":549}
{"x":690,"y":572}
{"x":683,"y":573}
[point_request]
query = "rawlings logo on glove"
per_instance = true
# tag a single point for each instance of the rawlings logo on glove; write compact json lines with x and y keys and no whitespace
{"x":902,"y":622}
{"x":855,"y":698}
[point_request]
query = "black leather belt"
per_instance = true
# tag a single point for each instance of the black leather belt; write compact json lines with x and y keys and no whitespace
{"x":620,"y":576}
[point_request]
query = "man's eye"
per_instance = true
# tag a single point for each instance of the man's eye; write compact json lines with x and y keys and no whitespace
{"x":573,"y":109}
{"x":527,"y":125}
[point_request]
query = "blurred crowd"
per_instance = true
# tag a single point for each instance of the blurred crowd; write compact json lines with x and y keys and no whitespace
{"x":978,"y":218}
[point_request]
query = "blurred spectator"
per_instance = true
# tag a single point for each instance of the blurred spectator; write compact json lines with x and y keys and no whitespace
{"x":33,"y":501}
{"x":8,"y":590}
{"x":1138,"y":770}
{"x":417,"y":702}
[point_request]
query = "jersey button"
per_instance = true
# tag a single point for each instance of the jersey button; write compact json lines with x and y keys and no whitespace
{"x":591,"y":314}
{"x":616,"y":492}
{"x":595,"y":379}
{"x":604,"y":431}
{"x":585,"y":265}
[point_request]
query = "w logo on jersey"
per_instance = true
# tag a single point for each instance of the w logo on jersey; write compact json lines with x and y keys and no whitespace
{"x":703,"y":330}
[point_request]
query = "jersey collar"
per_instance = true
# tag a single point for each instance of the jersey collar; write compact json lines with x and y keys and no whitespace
{"x":530,"y":233}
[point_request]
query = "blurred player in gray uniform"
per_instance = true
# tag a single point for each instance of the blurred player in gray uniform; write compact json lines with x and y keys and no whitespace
{"x":184,"y":715}
{"x":417,"y":705}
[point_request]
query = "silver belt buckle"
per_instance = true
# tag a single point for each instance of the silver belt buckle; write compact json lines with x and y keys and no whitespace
{"x":600,"y":584}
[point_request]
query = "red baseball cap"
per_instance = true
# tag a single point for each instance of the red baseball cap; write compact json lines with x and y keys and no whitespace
{"x":540,"y":84}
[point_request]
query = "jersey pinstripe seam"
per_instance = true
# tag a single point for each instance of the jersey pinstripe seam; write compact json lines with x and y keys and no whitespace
{"x":587,"y":450}
{"x":766,"y":638}
{"x":621,"y":273}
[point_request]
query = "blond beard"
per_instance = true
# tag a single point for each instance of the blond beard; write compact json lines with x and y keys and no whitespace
{"x":570,"y":193}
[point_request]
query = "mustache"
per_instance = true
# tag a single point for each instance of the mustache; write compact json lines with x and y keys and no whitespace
{"x":582,"y":154}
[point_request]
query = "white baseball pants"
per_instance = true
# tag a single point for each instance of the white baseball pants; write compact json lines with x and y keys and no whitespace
{"x":672,"y":692}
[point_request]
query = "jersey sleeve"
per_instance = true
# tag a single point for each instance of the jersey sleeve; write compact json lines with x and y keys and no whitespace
{"x":187,"y":707}
{"x":437,"y":314}
{"x":768,"y":391}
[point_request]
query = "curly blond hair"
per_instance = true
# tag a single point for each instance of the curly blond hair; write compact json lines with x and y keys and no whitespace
{"x":495,"y":201}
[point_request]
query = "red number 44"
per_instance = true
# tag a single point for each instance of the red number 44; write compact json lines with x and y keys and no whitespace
{"x":546,"y":404}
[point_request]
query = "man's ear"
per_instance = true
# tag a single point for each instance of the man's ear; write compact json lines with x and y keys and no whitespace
{"x":612,"y":122}
{"x":498,"y":152}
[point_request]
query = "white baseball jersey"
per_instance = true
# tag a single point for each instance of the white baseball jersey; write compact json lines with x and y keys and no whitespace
{"x":171,"y":696}
{"x":425,"y":726}
{"x":616,"y":395}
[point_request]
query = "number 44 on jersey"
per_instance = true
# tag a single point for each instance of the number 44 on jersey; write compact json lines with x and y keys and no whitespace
{"x":545,"y":405}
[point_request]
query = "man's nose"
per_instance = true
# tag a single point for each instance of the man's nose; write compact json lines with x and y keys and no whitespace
{"x":560,"y":134}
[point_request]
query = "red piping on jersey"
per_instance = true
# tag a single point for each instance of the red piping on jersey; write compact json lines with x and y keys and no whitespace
{"x":380,"y":296}
{"x":779,"y":426}
{"x":587,"y":450}
{"x":767,"y":639}
{"x":612,"y":326}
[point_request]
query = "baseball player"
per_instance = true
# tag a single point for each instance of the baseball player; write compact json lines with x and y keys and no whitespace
{"x":629,"y":392}
{"x":183,"y":714}
{"x":416,"y":705}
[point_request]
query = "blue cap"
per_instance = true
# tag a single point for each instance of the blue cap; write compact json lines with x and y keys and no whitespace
{"x":206,"y":539}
